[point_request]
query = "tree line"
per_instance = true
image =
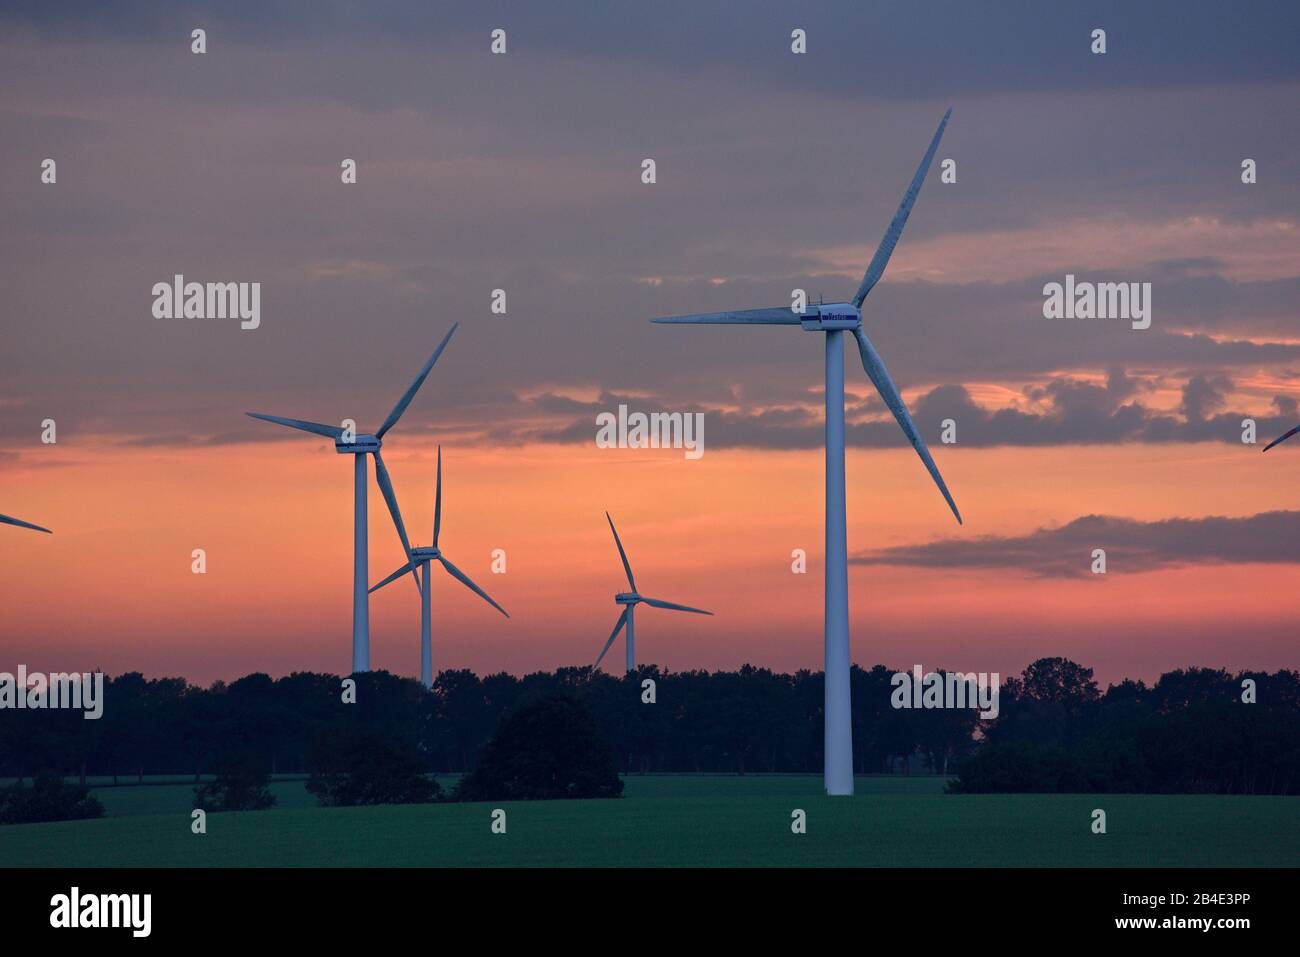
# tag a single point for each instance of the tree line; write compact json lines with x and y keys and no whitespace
{"x":1056,"y":730}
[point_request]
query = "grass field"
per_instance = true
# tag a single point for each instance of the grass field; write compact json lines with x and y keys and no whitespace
{"x":682,"y":820}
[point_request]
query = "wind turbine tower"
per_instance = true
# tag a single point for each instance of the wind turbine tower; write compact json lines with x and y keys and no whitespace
{"x":629,"y":600}
{"x":359,"y":446}
{"x":833,"y":320}
{"x":417,"y":563}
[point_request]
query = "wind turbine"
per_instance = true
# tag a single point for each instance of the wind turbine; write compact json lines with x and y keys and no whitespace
{"x":7,"y":520}
{"x":1282,"y":438}
{"x":418,"y":559}
{"x":629,"y":600}
{"x":834,"y":319}
{"x":360,"y":446}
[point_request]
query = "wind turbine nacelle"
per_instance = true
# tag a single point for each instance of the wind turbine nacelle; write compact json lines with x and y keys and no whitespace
{"x":627,"y":598}
{"x":359,"y":446}
{"x":424,"y":554}
{"x":825,"y":317}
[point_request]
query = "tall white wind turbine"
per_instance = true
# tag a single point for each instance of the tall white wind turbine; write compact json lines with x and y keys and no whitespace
{"x":833,"y":320}
{"x":359,"y":446}
{"x":417,"y":560}
{"x":629,"y":600}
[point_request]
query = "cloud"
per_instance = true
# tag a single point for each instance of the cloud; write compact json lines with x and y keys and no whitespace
{"x":1130,"y":546}
{"x":1062,"y":411}
{"x":894,"y":49}
{"x":523,"y":174}
{"x":1259,"y":250}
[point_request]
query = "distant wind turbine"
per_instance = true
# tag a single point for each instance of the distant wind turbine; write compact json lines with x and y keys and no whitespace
{"x":834,"y":319}
{"x":629,"y":601}
{"x":419,"y":559}
{"x":6,"y":520}
{"x":360,"y":446}
{"x":1282,"y":438}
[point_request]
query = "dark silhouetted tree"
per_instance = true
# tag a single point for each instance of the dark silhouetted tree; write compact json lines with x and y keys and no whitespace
{"x":356,"y":764}
{"x":548,"y":749}
{"x":242,"y":784}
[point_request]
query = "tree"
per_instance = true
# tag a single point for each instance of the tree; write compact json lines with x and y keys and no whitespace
{"x":242,"y":784}
{"x":548,"y":749}
{"x":50,"y":798}
{"x":355,"y":764}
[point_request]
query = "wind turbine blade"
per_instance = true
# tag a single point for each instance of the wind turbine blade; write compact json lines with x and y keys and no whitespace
{"x":622,"y":620}
{"x":659,"y":603}
{"x":780,"y":316}
{"x":1282,"y":438}
{"x":886,"y":248}
{"x":386,"y":486}
{"x":437,"y":501}
{"x":464,"y":580}
{"x":406,"y":398}
{"x":621,"y":554}
{"x":329,"y":431}
{"x":6,"y":520}
{"x":875,"y":368}
{"x":408,"y":567}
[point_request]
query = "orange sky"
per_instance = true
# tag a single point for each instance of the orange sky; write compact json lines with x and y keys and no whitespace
{"x":524,"y":173}
{"x":113,"y":587}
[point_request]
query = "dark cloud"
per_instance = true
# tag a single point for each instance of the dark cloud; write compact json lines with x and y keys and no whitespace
{"x":1131,"y":546}
{"x":1064,"y":411}
{"x":893,"y":48}
{"x":521,"y":172}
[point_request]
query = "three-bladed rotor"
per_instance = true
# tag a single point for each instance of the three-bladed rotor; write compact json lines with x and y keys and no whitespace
{"x":630,"y":599}
{"x":370,"y":444}
{"x":422,"y":556}
{"x":847,"y":317}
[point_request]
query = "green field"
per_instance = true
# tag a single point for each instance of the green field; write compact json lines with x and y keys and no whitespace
{"x":682,"y":820}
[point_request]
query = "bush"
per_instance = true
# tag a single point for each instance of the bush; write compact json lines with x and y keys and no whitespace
{"x":353,"y":765}
{"x":546,"y":750}
{"x":242,"y":784}
{"x":50,"y":798}
{"x":1013,"y":767}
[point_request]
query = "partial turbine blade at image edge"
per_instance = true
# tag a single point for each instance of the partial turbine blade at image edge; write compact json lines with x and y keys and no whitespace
{"x":407,"y":396}
{"x":1282,"y":438}
{"x":660,"y":603}
{"x":875,"y":369}
{"x":7,"y":520}
{"x":618,"y":626}
{"x":464,"y":580}
{"x":880,"y":260}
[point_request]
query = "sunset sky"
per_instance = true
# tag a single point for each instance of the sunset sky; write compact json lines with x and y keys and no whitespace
{"x":523,"y":172}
